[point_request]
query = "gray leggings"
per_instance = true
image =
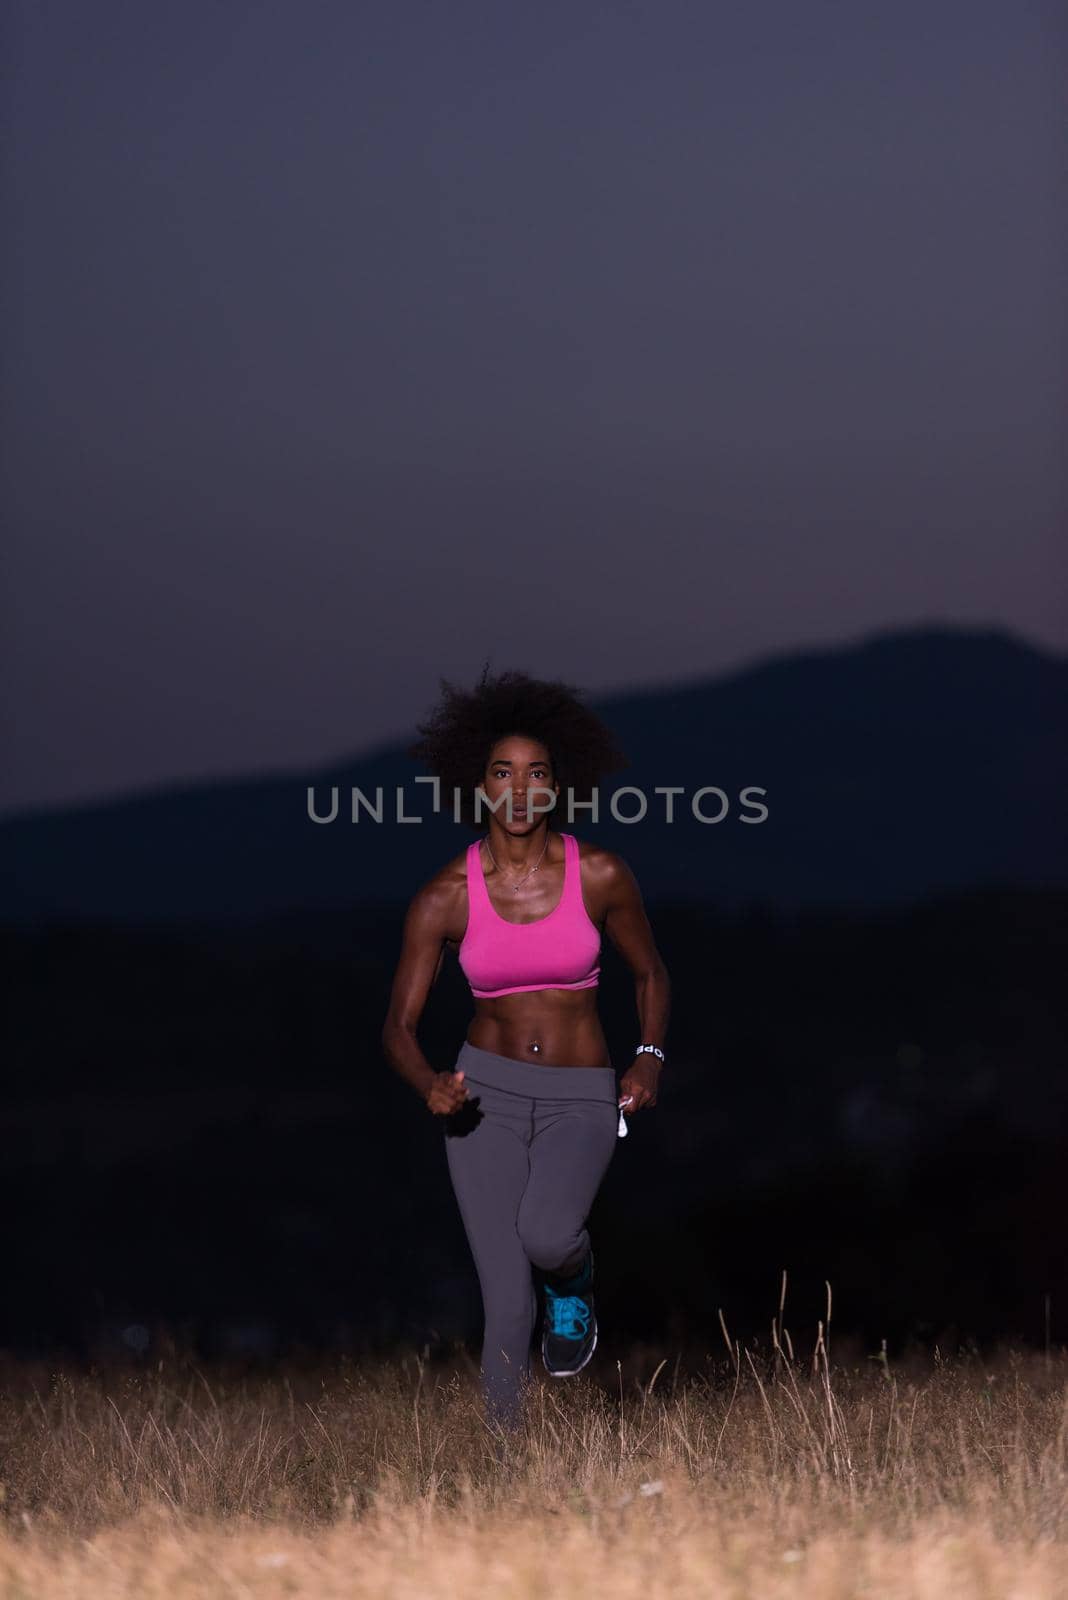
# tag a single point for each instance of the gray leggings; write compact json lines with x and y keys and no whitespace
{"x":526,"y":1154}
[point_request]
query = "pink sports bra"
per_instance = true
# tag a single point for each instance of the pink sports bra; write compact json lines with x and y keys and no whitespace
{"x":559,"y":951}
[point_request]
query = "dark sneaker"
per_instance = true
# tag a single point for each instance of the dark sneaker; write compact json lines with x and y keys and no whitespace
{"x":569,"y":1336}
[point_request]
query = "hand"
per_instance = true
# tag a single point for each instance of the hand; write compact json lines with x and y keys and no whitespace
{"x":447,"y":1093}
{"x":638,"y":1085}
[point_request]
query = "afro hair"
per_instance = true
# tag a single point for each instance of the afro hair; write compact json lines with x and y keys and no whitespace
{"x":461,"y":730}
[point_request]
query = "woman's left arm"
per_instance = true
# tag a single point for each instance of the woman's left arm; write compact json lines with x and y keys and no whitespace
{"x":627,"y":925}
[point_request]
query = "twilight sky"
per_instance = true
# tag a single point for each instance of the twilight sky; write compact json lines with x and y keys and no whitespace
{"x":347,"y":344}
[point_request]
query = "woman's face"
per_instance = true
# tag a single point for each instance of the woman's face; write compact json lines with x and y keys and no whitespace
{"x":520,"y":768}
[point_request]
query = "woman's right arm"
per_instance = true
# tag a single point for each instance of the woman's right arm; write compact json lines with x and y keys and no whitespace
{"x":426,"y":927}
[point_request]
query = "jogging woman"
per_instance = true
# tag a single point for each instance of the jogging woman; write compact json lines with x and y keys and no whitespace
{"x":530,"y":1112}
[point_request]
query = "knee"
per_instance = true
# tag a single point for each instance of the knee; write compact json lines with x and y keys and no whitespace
{"x":552,"y":1248}
{"x":508,"y":1303}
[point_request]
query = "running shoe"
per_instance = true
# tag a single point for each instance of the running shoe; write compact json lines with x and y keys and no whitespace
{"x":569,"y":1336}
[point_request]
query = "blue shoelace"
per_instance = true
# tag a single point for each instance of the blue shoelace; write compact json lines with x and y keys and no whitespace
{"x":568,"y":1315}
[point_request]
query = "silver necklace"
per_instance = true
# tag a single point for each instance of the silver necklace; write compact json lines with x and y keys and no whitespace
{"x":534,"y":1045}
{"x":526,"y":875}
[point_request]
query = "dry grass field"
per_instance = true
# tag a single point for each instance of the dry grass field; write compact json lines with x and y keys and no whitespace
{"x":762,"y":1473}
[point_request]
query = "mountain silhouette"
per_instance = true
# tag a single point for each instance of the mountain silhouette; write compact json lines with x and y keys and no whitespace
{"x":916,"y":762}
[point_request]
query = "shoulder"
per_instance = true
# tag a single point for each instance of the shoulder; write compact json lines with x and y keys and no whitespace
{"x":436,"y":902}
{"x":605,"y":872}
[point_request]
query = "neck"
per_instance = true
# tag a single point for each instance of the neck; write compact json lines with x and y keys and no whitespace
{"x":518,"y":850}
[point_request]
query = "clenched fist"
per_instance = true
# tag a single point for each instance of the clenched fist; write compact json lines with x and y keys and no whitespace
{"x":447,"y":1093}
